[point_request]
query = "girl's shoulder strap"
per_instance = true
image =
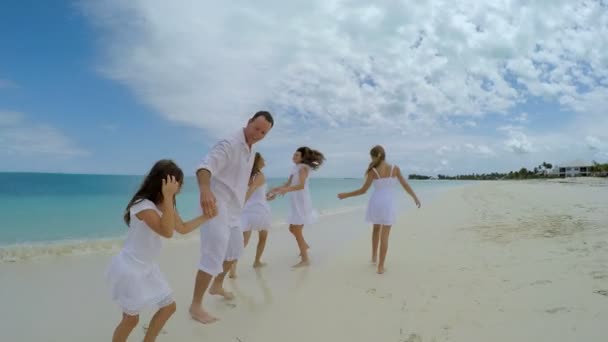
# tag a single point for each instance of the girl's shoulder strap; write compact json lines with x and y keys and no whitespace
{"x":393,"y":170}
{"x":376,"y":172}
{"x":144,"y":204}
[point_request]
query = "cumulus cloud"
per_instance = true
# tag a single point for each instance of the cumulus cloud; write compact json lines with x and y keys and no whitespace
{"x":376,"y":68}
{"x":20,"y":136}
{"x":350,"y":62}
{"x":518,"y":143}
{"x":594,"y":143}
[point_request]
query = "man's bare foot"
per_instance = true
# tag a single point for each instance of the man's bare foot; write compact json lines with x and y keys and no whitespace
{"x":258,"y":264}
{"x":302,"y":263}
{"x":200,"y":315}
{"x":221,"y":292}
{"x":381,"y":269}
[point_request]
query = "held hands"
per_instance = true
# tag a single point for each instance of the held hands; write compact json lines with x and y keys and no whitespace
{"x":170,"y":186}
{"x":208,"y":203}
{"x":279,"y":191}
{"x":270,"y":196}
{"x":208,"y":216}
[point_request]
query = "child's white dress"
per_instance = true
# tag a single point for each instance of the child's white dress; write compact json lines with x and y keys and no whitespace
{"x":381,"y":208}
{"x":256,"y":214}
{"x":134,"y":276}
{"x":301,"y":210}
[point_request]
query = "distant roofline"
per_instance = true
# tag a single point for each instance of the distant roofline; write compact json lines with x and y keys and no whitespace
{"x":575,"y":163}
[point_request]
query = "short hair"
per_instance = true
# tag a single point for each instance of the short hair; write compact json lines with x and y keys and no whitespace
{"x":266,"y":116}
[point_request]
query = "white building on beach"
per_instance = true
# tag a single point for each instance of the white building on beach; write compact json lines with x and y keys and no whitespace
{"x":575,"y":168}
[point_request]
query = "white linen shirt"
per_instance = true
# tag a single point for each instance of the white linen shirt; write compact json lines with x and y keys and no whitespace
{"x":230,"y":162}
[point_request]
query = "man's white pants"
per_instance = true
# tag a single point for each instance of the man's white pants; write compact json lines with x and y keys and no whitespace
{"x":221,"y":238}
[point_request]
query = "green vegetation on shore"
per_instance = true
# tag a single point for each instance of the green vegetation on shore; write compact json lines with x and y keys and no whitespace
{"x":544,"y":170}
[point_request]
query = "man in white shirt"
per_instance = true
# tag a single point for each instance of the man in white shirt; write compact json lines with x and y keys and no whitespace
{"x":223,"y":177}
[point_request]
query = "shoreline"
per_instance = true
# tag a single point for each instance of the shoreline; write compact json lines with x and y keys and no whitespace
{"x":27,"y":251}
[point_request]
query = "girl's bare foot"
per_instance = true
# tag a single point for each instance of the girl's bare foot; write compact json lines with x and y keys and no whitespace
{"x":307,"y":248}
{"x":200,"y":315}
{"x":258,"y":264}
{"x":381,"y":269}
{"x":302,"y":263}
{"x":232,"y":274}
{"x":221,"y":292}
{"x":374,"y":260}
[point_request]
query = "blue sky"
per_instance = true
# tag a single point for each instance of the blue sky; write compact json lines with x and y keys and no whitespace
{"x":111,"y":86}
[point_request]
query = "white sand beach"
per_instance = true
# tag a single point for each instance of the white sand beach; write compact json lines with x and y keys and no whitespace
{"x":493,"y":261}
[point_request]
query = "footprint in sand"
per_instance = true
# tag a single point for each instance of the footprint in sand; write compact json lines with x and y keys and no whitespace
{"x":372,"y":291}
{"x":541,"y":282}
{"x":162,"y":332}
{"x":412,"y":338}
{"x":601,"y":292}
{"x":599,"y":275}
{"x":231,"y":305}
{"x":556,"y":310}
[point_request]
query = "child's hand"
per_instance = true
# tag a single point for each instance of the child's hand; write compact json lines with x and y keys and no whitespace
{"x":270,"y":196}
{"x":341,"y":196}
{"x":417,"y":202}
{"x":210,"y":214}
{"x":280,"y":191}
{"x":170,"y":186}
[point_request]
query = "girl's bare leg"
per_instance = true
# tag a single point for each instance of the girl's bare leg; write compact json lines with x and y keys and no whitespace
{"x":124,"y":328}
{"x":246,"y":237}
{"x":217,"y":286}
{"x":262,"y":236}
{"x":375,"y":241}
{"x":386,"y":230}
{"x":158,"y":322}
{"x":296,"y":230}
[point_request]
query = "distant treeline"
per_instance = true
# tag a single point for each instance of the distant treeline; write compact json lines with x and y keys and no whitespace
{"x":541,"y":171}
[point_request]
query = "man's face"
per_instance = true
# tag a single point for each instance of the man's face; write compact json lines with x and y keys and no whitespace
{"x":257,"y":129}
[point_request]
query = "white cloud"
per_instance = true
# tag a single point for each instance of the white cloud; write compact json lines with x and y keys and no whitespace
{"x":519,"y":143}
{"x":522,"y":118}
{"x":369,"y":73}
{"x":470,"y":123}
{"x":9,"y":118}
{"x":341,"y":62}
{"x":517,"y":140}
{"x":593,"y":142}
{"x":7,"y":84}
{"x":443,"y":149}
{"x":19,"y":136}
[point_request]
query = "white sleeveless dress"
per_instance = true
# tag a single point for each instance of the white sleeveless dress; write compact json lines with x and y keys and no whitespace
{"x":256,"y":214}
{"x":134,"y":276}
{"x":381,"y":208}
{"x":301,"y":210}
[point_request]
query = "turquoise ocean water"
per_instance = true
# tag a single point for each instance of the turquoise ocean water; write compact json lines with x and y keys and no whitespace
{"x":43,"y":209}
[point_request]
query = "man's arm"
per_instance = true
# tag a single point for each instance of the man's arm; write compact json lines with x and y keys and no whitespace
{"x":214,"y":162}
